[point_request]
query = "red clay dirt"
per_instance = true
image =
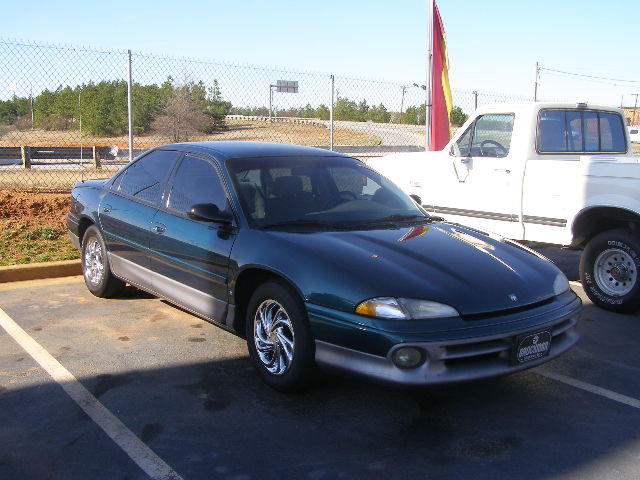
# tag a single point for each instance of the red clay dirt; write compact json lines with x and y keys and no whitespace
{"x":24,"y":206}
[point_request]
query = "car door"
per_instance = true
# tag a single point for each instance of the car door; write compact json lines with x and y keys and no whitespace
{"x":487,"y":187}
{"x":191,"y":257}
{"x":126,"y":211}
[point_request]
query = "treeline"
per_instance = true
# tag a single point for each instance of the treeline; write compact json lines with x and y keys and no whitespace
{"x":350,"y":110}
{"x":178,"y":111}
{"x":344,"y":109}
{"x":102,"y":108}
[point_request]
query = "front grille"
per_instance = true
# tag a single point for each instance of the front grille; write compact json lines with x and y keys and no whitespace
{"x":507,"y":311}
{"x":492,"y":350}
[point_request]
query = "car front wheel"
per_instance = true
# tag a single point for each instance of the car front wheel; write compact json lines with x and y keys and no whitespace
{"x":279,"y":337}
{"x":95,"y":266}
{"x":609,"y":270}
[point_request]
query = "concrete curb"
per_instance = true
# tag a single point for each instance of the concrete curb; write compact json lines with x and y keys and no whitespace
{"x":33,"y":271}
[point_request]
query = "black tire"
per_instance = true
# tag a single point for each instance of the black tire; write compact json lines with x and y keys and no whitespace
{"x":301,"y":370}
{"x":625,"y":266}
{"x":107,"y":285}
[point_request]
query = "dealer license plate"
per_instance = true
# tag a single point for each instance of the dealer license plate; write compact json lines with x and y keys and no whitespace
{"x":531,"y":347}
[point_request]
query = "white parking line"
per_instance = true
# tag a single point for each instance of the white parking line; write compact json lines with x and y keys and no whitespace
{"x":603,"y":392}
{"x":135,"y":448}
{"x":575,"y":283}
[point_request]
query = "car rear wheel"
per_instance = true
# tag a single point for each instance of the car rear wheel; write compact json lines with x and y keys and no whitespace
{"x":279,"y":337}
{"x":95,"y":266}
{"x":609,"y":269}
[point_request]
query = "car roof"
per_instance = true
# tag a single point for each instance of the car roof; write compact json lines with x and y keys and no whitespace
{"x":240,"y":149}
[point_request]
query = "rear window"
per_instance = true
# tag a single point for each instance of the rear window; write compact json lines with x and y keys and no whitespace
{"x":580,"y":131}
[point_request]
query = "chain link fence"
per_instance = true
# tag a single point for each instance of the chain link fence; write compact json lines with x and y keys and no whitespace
{"x":64,"y":115}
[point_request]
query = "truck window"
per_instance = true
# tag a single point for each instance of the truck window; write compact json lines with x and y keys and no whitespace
{"x":492,"y":135}
{"x":611,"y":133}
{"x":464,"y":142}
{"x":591,"y":134}
{"x":574,"y":131}
{"x":580,"y":131}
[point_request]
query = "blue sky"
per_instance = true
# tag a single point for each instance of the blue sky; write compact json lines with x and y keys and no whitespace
{"x":493,"y":44}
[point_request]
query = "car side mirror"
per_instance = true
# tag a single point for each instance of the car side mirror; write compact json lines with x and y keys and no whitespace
{"x":209,"y":213}
{"x":416,"y":198}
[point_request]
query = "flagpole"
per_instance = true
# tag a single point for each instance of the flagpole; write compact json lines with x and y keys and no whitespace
{"x":428,"y":103}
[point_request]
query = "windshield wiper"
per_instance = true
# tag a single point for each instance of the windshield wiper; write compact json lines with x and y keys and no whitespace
{"x":400,"y":218}
{"x":300,"y":222}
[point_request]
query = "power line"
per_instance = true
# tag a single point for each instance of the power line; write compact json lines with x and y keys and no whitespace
{"x":589,"y":76}
{"x":601,"y":82}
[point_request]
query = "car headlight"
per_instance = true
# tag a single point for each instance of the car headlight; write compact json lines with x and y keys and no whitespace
{"x":404,"y":309}
{"x":560,"y":284}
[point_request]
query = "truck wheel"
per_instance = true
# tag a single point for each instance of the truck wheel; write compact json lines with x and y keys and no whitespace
{"x":609,"y":271}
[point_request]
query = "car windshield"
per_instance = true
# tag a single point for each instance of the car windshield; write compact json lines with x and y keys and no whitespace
{"x":318,"y":192}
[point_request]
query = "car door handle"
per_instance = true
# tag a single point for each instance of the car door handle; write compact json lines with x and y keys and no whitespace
{"x":106,"y":208}
{"x":159,"y":228}
{"x":505,"y":170}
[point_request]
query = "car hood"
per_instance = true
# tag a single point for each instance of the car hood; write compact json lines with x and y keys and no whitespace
{"x":470,"y":270}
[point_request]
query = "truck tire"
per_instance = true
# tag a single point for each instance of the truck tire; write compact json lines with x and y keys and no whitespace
{"x":609,"y":269}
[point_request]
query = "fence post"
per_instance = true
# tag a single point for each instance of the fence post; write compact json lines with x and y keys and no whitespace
{"x":333,"y":85}
{"x":129,"y":89}
{"x":25,"y":153}
{"x":96,"y":157}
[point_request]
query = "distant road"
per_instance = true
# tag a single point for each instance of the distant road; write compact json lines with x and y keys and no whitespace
{"x":390,"y":134}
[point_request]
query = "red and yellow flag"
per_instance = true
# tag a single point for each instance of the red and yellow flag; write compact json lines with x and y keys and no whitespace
{"x":441,"y":102}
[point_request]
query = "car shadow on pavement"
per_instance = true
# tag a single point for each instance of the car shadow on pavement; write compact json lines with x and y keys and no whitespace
{"x":217,"y":419}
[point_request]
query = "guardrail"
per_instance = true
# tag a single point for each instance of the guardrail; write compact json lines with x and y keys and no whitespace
{"x":274,"y":119}
{"x":96,"y":155}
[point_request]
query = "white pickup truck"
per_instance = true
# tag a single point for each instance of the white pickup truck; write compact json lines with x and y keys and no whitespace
{"x":543,"y":172}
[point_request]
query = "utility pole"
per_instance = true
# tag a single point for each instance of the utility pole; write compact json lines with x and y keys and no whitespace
{"x":31,"y":102}
{"x":475,"y":99}
{"x":535,"y":84}
{"x":80,"y":122}
{"x":404,"y":89}
{"x":129,"y":115}
{"x":635,"y":105}
{"x":270,"y":100}
{"x":333,"y":90}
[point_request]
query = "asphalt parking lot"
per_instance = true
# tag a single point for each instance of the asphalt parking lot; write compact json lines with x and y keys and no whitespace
{"x":180,"y":396}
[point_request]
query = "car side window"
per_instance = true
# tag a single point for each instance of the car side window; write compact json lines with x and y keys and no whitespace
{"x":145,"y":178}
{"x":196,"y":181}
{"x":492,"y":135}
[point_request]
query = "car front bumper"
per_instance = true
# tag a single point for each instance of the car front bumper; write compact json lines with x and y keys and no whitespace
{"x":455,"y":359}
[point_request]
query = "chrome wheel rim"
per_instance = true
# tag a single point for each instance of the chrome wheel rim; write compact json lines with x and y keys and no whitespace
{"x":273,"y":336}
{"x":615,"y":272}
{"x":93,"y":262}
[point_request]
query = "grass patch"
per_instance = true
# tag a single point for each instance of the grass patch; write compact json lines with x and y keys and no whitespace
{"x":32,"y":242}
